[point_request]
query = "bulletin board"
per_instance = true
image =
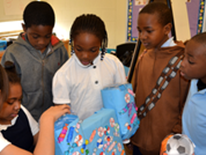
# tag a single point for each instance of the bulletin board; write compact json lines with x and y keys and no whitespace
{"x":11,"y":10}
{"x":195,"y":8}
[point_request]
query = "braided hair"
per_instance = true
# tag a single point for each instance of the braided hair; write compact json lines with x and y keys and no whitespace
{"x":92,"y":24}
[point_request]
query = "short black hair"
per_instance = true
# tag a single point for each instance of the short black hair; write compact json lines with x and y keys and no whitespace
{"x":200,"y":38}
{"x":38,"y":13}
{"x":163,"y":11}
{"x":92,"y":24}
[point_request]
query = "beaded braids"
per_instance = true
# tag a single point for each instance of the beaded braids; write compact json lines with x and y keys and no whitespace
{"x":92,"y":24}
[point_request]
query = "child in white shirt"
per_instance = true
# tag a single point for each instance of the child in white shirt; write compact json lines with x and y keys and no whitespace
{"x":79,"y":81}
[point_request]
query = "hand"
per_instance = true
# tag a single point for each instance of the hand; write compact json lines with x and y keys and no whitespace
{"x":54,"y":112}
{"x":129,"y":146}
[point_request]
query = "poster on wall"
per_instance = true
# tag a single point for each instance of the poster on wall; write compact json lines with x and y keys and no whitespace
{"x":195,"y":10}
{"x":15,"y":7}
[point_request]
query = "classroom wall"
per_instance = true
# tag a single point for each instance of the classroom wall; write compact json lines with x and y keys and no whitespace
{"x":112,"y":12}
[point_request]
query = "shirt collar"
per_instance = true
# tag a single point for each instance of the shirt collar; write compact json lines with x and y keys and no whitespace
{"x":13,"y":121}
{"x":169,"y":43}
{"x":194,"y":88}
{"x":94,"y":62}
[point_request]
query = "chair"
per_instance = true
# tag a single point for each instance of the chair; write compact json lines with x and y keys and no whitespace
{"x":125,"y":52}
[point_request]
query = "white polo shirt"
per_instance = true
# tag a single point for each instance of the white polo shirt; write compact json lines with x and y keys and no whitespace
{"x":81,"y":85}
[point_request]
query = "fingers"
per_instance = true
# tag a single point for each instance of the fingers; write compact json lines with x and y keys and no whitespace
{"x":65,"y":108}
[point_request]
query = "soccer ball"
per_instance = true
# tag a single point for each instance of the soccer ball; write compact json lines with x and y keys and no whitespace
{"x":179,"y":144}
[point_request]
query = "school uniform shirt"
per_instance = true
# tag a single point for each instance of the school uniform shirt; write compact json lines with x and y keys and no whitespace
{"x":80,"y":85}
{"x":194,"y":117}
{"x":36,"y":71}
{"x":21,"y":130}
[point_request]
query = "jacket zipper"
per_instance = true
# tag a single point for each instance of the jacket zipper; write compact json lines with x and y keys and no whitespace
{"x":43,"y":84}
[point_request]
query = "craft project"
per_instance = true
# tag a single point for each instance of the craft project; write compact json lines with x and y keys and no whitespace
{"x":120,"y":98}
{"x":98,"y":134}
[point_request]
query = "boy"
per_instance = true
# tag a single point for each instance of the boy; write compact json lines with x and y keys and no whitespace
{"x":37,"y":55}
{"x":194,"y":113}
{"x":160,"y":91}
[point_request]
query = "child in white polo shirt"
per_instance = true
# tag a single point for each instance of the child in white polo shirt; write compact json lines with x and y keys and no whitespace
{"x":79,"y":81}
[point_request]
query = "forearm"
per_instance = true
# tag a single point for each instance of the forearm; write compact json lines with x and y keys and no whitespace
{"x":45,"y":144}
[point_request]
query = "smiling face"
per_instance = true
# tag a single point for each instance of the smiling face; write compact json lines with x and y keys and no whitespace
{"x":39,"y":36}
{"x":11,"y":107}
{"x":152,"y":34}
{"x":194,"y":62}
{"x":86,"y":47}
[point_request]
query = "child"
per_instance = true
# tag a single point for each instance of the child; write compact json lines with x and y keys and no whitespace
{"x":16,"y":124}
{"x":37,"y":55}
{"x":79,"y":81}
{"x":15,"y":128}
{"x":194,"y":115}
{"x":160,"y":91}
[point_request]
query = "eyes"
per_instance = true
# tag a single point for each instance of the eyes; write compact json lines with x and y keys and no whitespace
{"x":190,"y":62}
{"x":189,"y":59}
{"x":12,"y":101}
{"x":37,"y":36}
{"x":147,"y":30}
{"x":93,"y":50}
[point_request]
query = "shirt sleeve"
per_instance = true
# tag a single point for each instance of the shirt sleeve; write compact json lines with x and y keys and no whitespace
{"x":32,"y":122}
{"x":60,"y":88}
{"x":120,"y":76}
{"x":3,"y":142}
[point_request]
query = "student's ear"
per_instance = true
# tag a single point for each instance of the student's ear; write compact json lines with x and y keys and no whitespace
{"x":168,"y":28}
{"x":23,"y":27}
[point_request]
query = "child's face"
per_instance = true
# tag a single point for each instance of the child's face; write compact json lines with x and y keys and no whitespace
{"x":39,"y":36}
{"x":86,"y":47}
{"x":194,"y":62}
{"x":11,"y":107}
{"x":152,"y":34}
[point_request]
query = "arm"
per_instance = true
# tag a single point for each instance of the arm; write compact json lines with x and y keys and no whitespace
{"x":65,"y":55}
{"x":32,"y":123}
{"x":45,"y":144}
{"x":60,"y":88}
{"x":120,"y":76}
{"x":13,"y":150}
{"x":184,"y":87}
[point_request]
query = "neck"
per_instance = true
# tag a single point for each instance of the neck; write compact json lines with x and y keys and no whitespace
{"x":162,"y":42}
{"x":4,"y":122}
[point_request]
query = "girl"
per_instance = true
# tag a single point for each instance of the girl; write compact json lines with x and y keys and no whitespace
{"x":79,"y":81}
{"x":18,"y":128}
{"x":15,"y":128}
